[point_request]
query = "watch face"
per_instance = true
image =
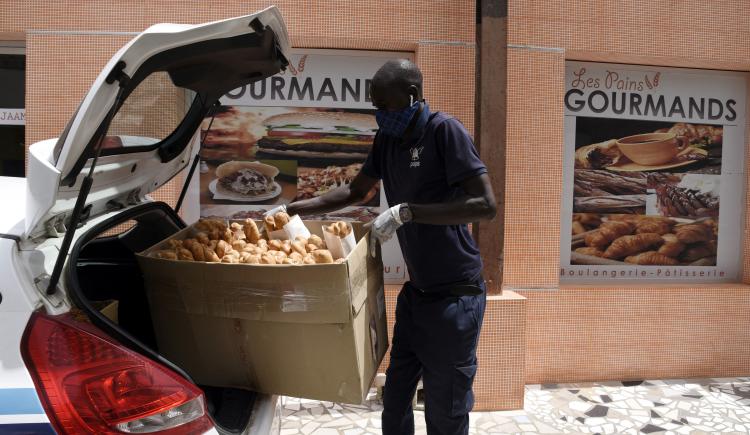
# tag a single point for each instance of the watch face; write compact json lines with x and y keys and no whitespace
{"x":405,"y":214}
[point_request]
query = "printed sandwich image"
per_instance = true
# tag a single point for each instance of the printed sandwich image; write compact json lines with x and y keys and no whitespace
{"x":622,"y":239}
{"x":315,"y":139}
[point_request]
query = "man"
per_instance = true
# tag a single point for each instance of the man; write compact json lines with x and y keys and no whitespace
{"x":435,"y":184}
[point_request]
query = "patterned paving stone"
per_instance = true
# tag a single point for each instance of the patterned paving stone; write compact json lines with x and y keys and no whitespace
{"x":654,"y":407}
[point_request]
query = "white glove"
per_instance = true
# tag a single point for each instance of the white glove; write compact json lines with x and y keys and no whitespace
{"x":384,"y":227}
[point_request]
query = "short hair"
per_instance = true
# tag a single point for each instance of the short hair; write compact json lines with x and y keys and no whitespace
{"x":399,"y":73}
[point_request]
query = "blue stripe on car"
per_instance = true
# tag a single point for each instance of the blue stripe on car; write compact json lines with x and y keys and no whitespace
{"x":16,"y":401}
{"x":27,"y":429}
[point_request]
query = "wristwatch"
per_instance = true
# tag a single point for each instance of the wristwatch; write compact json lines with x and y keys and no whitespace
{"x":404,"y":213}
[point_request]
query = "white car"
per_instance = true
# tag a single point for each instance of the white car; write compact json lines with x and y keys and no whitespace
{"x":77,"y":350}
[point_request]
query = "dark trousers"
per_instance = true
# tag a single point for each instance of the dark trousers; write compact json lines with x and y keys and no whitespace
{"x":435,"y":338}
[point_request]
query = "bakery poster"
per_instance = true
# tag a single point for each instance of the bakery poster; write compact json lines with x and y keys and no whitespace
{"x":295,"y":136}
{"x":654,"y":174}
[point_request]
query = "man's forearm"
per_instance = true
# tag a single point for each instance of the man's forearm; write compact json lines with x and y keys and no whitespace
{"x":334,"y":200}
{"x":460,"y":211}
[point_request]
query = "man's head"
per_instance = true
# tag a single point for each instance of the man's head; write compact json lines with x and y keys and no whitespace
{"x":396,"y":84}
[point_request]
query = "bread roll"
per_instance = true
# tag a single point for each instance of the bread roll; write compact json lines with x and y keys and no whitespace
{"x":222,"y":248}
{"x":286,"y":246}
{"x":322,"y":256}
{"x":165,"y":254}
{"x":210,"y":255}
{"x":280,"y":219}
{"x":270,"y":224}
{"x":263,"y":245}
{"x":202,"y":238}
{"x":252,"y":233}
{"x":317,"y":241}
{"x":184,"y":254}
{"x":229,"y":259}
{"x":298,"y":247}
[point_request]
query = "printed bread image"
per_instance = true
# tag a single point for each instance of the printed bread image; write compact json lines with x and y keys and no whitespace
{"x":625,"y":239}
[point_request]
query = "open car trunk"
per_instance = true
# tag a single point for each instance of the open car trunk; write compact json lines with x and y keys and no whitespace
{"x":102,"y":270}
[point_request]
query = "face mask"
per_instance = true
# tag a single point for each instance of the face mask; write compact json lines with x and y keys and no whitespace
{"x":394,"y":123}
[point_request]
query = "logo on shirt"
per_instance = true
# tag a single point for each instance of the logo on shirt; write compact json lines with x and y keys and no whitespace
{"x":415,"y":153}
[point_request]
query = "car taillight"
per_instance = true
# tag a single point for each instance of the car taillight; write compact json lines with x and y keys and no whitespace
{"x":89,"y":384}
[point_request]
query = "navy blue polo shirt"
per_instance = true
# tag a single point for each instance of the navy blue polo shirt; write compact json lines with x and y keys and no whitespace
{"x":428,"y":168}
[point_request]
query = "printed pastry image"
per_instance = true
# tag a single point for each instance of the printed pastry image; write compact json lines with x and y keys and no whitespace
{"x":681,"y":145}
{"x":217,"y":241}
{"x":622,"y":239}
{"x":315,"y":139}
{"x":313,"y":182}
{"x":685,"y":195}
{"x":245,"y":181}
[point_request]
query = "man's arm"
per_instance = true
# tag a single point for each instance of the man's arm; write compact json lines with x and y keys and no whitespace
{"x":477,"y":203}
{"x":336,"y":199}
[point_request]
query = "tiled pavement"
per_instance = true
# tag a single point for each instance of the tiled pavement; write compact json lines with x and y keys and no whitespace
{"x":669,"y":407}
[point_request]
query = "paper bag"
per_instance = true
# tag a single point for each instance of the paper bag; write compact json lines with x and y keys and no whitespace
{"x":340,"y":247}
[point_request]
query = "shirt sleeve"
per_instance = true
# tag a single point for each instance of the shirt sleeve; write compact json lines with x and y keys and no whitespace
{"x":460,"y":157}
{"x":371,"y":167}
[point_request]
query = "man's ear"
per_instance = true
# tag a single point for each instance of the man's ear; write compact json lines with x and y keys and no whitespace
{"x":414,"y":92}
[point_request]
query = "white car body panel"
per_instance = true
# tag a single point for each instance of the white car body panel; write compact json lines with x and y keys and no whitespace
{"x":35,"y":206}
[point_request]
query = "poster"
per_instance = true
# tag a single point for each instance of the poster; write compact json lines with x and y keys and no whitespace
{"x":295,"y":136}
{"x":653,"y":175}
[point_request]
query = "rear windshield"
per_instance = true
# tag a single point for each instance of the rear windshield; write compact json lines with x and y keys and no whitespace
{"x":152,"y":111}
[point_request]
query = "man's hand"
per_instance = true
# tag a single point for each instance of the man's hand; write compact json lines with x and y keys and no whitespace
{"x":384,"y":227}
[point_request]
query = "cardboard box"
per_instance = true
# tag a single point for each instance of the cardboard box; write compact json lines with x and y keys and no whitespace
{"x":312,"y":331}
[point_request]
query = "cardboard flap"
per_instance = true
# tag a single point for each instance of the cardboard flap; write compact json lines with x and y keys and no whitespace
{"x":364,"y":271}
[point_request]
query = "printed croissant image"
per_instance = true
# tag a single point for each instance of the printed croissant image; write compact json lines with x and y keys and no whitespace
{"x":608,"y":232}
{"x":629,"y":245}
{"x":651,"y":258}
